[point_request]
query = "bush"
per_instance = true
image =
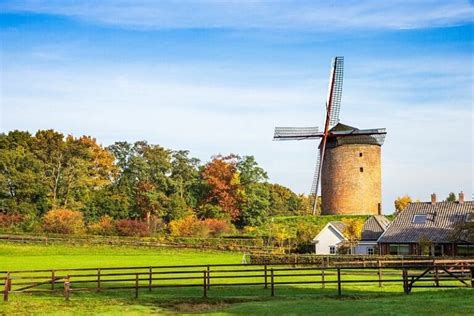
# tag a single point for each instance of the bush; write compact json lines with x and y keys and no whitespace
{"x":192,"y":227}
{"x":132,"y":228}
{"x":10,"y":220}
{"x":63,"y":221}
{"x":105,"y":227}
{"x":218,"y":227}
{"x":188,"y":227}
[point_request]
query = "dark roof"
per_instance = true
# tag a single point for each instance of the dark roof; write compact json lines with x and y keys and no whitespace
{"x":340,"y":226}
{"x":442,"y":220}
{"x":374,"y":227}
{"x":358,"y":136}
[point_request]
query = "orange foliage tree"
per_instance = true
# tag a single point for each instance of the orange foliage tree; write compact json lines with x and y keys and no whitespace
{"x":223,"y":185}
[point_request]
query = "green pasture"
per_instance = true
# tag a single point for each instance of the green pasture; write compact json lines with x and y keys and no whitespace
{"x":302,"y":299}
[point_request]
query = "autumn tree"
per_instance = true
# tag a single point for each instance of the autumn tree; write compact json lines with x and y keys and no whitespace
{"x":223,"y":188}
{"x":401,"y":202}
{"x":353,"y":233}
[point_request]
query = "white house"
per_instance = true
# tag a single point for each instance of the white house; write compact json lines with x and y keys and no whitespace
{"x":329,"y":238}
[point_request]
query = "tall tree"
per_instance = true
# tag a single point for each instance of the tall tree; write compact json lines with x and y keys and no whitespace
{"x":223,"y":185}
{"x":255,"y":198}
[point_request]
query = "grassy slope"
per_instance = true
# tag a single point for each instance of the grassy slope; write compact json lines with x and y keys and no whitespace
{"x":319,"y":221}
{"x":17,"y":257}
{"x":289,"y":300}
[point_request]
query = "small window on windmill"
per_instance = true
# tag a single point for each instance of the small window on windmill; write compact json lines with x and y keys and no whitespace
{"x":360,"y":154}
{"x":361,"y":169}
{"x":419,"y":219}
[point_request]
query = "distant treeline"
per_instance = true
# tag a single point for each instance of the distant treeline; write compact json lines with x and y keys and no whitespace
{"x":142,"y":181}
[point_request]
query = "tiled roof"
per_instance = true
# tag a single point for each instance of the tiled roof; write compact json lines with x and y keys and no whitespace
{"x":374,"y":227}
{"x":442,"y":218}
{"x":340,"y":226}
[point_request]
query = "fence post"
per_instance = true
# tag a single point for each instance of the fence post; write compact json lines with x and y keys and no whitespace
{"x":52,"y":279}
{"x":323,"y":285}
{"x":379,"y":264}
{"x":472,"y":277}
{"x":7,"y":287}
{"x":405,"y":281}
{"x":272,"y":281}
{"x":136,"y":285}
{"x":98,"y":280}
{"x":208,"y":277}
{"x":9,"y":282}
{"x":339,"y":290}
{"x":265,"y":274}
{"x":67,"y":287}
{"x":204,"y":283}
{"x":150,"y":278}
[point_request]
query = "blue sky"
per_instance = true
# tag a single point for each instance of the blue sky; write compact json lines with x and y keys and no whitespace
{"x":216,"y":77}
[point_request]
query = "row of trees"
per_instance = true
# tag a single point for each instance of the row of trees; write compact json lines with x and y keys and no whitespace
{"x":134,"y":181}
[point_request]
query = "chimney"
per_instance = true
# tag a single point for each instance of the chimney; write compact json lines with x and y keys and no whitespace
{"x":461,"y":197}
{"x":433,"y":198}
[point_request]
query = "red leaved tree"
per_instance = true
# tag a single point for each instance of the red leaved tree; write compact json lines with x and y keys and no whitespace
{"x":223,"y":183}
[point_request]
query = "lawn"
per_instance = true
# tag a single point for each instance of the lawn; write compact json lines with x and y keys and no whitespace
{"x":303,"y":299}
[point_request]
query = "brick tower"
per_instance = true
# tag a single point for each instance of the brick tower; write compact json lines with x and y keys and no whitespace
{"x":351,"y":178}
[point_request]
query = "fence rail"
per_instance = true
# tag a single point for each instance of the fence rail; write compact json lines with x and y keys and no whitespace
{"x":443,"y":273}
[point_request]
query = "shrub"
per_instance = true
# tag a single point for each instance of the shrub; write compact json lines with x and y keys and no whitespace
{"x":192,"y":227}
{"x":188,"y":227}
{"x":10,"y":220}
{"x":218,"y":227}
{"x":63,"y":221}
{"x":105,"y":227}
{"x":132,"y":228}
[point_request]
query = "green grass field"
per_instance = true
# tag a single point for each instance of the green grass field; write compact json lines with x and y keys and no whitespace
{"x":296,"y":300}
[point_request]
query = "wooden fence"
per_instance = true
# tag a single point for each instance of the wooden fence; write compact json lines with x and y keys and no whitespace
{"x":438,"y":274}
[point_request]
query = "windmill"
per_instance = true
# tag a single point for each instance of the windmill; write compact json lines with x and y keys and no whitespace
{"x":343,"y":150}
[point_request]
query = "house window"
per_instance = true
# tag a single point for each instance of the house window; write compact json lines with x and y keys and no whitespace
{"x":399,"y":249}
{"x":419,"y":219}
{"x":361,"y":169}
{"x":332,"y":250}
{"x":360,"y":155}
{"x":465,"y":250}
{"x":370,"y":251}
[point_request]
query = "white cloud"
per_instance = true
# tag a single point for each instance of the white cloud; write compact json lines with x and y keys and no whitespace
{"x":309,"y":15}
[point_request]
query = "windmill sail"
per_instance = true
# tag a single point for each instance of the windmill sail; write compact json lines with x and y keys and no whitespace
{"x":314,"y":186}
{"x":296,"y":133}
{"x":333,"y":106}
{"x":335,"y":92}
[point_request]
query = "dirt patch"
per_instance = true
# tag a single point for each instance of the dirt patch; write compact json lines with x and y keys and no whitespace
{"x":201,"y":305}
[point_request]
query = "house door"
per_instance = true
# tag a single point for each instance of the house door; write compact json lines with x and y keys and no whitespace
{"x":439,"y":250}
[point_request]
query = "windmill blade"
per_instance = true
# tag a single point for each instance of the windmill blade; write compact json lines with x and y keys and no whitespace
{"x":296,"y":133}
{"x":315,"y":185}
{"x":336,"y":80}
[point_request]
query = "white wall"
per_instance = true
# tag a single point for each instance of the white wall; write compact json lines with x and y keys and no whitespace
{"x":361,"y":248}
{"x":327,"y":237}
